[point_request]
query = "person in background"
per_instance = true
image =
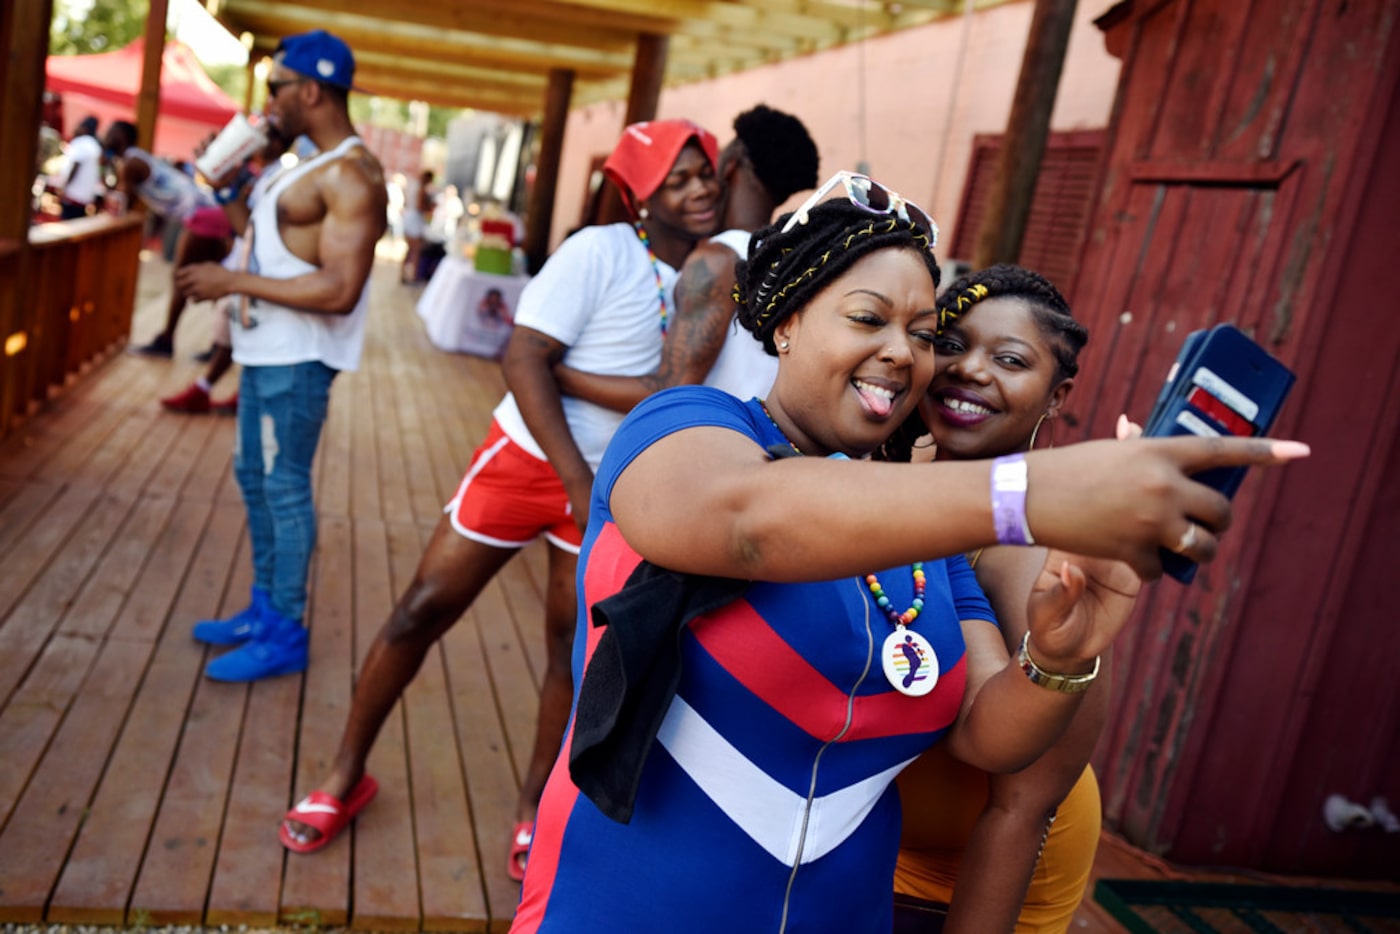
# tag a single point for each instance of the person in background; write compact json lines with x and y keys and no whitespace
{"x":194,"y":399}
{"x":1005,"y":366}
{"x":771,"y":627}
{"x":302,"y":303}
{"x":602,"y":301}
{"x":173,"y":195}
{"x":771,"y":158}
{"x":417,"y":210}
{"x":84,"y":180}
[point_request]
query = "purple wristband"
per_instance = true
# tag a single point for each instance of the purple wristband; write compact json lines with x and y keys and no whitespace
{"x":1009,"y":500}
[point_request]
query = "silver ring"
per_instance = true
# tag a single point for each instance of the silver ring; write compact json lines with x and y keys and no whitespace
{"x":1188,"y":539}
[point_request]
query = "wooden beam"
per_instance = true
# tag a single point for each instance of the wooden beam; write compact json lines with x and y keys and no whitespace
{"x":432,"y":45}
{"x":459,"y":17}
{"x":595,"y":39}
{"x":647,"y":20}
{"x":369,"y":66}
{"x":448,"y":95}
{"x":591,"y":25}
{"x":148,"y":97}
{"x":1013,"y":187}
{"x":540,"y":213}
{"x":856,"y":15}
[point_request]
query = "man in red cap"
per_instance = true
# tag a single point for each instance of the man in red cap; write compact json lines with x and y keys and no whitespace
{"x":771,"y":158}
{"x":601,"y":302}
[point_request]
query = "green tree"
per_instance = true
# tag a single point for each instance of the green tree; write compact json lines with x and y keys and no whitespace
{"x":81,"y":27}
{"x":233,"y":79}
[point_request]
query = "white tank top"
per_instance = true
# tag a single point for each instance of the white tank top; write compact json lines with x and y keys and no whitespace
{"x":743,"y":368}
{"x":276,"y":335}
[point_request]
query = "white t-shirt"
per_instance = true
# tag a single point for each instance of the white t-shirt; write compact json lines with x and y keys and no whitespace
{"x":167,"y":191}
{"x":598,"y":296}
{"x":743,"y":368}
{"x":277,"y":335}
{"x":84,"y":154}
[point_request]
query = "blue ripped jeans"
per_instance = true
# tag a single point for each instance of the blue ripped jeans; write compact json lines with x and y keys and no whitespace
{"x":281,"y":410}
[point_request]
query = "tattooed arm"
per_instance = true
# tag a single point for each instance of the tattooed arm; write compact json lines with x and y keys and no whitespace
{"x":695,"y":334}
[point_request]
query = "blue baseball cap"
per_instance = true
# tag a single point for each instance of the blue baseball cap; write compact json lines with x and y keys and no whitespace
{"x":320,"y":56}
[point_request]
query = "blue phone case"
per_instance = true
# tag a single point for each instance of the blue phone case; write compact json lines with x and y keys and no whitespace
{"x":1222,"y":384}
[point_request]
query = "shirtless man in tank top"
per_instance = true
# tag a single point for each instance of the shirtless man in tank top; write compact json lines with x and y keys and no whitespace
{"x":302,"y":298}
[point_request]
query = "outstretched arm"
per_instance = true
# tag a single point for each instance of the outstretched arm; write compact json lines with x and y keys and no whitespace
{"x":797,"y":519}
{"x":694,"y":336}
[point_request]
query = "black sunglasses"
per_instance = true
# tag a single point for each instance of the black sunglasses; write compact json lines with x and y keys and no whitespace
{"x":274,"y":86}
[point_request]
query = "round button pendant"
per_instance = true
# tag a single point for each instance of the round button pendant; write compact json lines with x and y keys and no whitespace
{"x":909,"y":662}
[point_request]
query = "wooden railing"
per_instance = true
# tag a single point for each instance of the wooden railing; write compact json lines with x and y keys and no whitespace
{"x":70,"y":293}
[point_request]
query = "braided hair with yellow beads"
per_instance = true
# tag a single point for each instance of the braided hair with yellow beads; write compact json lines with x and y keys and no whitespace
{"x":1067,"y":336}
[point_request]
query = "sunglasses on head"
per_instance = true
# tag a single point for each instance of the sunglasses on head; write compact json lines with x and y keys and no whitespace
{"x":864,"y":192}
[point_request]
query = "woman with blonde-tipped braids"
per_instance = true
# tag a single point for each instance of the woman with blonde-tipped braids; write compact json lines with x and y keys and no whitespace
{"x":1001,"y":852}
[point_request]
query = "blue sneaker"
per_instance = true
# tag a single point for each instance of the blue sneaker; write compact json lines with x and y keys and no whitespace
{"x":279,"y":647}
{"x":238,"y":628}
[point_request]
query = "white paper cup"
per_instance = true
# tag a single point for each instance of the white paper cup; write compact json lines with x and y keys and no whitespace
{"x":237,"y":142}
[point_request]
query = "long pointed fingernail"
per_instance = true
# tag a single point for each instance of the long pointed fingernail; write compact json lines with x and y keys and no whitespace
{"x":1289,"y":450}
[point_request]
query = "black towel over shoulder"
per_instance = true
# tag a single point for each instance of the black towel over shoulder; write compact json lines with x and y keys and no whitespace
{"x":632,"y":677}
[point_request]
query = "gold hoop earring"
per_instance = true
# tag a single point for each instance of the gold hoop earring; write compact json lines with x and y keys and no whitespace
{"x":1036,"y":430}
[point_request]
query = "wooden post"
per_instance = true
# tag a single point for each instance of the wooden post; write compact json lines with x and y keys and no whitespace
{"x":541,"y":208}
{"x":648,"y":71}
{"x":252,"y":80}
{"x":148,"y":98}
{"x":1009,"y":202}
{"x":24,"y":43}
{"x":24,"y":30}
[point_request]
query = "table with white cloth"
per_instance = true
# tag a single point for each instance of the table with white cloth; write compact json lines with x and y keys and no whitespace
{"x":458,"y":314}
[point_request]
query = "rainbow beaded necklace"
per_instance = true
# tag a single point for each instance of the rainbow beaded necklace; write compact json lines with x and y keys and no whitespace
{"x":871,"y":581}
{"x":656,"y":269}
{"x":883,"y":602}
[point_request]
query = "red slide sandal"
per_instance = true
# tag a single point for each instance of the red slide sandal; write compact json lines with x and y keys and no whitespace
{"x":326,"y":814}
{"x":520,"y":837}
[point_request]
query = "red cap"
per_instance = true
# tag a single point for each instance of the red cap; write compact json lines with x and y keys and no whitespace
{"x":643,"y":157}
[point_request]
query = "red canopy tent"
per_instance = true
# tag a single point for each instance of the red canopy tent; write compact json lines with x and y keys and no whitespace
{"x":105,"y":86}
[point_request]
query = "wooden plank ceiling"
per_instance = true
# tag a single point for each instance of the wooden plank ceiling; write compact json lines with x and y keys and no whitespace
{"x":496,"y":54}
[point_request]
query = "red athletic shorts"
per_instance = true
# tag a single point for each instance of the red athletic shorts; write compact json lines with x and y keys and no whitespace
{"x":509,"y":498}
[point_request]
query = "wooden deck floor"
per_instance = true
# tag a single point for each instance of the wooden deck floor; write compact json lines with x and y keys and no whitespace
{"x":133,"y":791}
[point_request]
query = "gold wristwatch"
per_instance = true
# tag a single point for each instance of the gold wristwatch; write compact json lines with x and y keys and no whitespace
{"x":1064,"y":684}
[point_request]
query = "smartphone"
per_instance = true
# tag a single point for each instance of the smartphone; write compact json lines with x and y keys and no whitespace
{"x":1222,"y":384}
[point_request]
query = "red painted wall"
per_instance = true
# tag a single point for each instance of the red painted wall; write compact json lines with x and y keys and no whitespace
{"x":1258,"y":187}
